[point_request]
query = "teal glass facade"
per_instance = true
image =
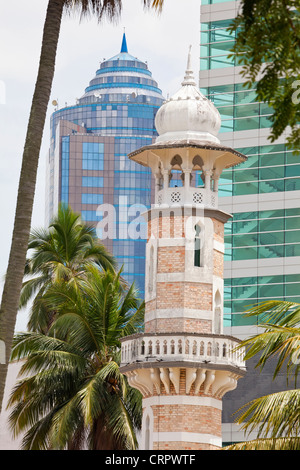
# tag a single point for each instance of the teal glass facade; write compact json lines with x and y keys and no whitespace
{"x":88,"y":163}
{"x":258,"y":235}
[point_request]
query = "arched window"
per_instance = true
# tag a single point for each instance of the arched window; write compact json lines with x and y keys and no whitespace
{"x":176,"y":175}
{"x":218,"y":313}
{"x":147,"y":434}
{"x":176,"y":179}
{"x":151,"y":270}
{"x":197,"y":247}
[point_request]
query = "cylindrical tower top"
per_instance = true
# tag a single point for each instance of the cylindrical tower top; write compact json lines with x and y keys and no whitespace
{"x":187,"y":154}
{"x":188,"y":114}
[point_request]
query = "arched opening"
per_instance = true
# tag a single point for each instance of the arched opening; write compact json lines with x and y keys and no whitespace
{"x":197,"y":172}
{"x":176,"y":174}
{"x":218,"y":313}
{"x":151,"y":270}
{"x":197,"y":246}
{"x":147,"y":433}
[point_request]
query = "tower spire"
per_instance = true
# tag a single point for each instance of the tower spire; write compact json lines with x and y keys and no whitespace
{"x":189,"y":74}
{"x":124,"y":43}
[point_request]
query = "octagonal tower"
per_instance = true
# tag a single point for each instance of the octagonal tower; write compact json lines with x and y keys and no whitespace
{"x":183,"y":364}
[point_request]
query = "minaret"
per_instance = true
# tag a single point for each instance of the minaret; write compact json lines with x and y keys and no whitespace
{"x":183,"y":364}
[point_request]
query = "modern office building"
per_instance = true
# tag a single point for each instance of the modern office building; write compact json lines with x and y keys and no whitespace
{"x":262,"y":256}
{"x":88,"y":166}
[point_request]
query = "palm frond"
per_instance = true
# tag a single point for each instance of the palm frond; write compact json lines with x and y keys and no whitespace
{"x":273,"y":415}
{"x":282,"y":443}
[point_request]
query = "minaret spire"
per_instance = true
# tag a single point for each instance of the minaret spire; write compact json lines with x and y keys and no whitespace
{"x":189,"y":74}
{"x":124,"y":43}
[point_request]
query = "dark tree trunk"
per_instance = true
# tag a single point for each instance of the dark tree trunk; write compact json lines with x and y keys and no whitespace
{"x":27,"y":182}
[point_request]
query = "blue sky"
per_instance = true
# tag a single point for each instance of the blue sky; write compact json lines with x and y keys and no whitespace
{"x":162,"y":41}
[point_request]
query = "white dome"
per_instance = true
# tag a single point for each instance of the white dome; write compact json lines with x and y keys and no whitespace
{"x":188,"y":114}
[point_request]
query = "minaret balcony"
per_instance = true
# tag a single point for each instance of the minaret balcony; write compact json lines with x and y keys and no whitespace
{"x":183,"y":349}
{"x":181,"y":196}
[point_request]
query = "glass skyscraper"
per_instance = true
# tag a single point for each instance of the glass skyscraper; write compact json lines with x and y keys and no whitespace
{"x":88,"y":166}
{"x":263,"y":194}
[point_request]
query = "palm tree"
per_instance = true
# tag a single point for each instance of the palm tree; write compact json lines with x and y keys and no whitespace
{"x":73,"y":395}
{"x":59,"y":254}
{"x":27,"y":183}
{"x":275,"y":417}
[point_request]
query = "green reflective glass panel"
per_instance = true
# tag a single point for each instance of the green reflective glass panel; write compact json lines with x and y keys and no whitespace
{"x":242,"y":111}
{"x":292,"y":289}
{"x":242,"y":305}
{"x":268,"y":159}
{"x":227,"y":126}
{"x":222,"y":99}
{"x":292,"y":184}
{"x":271,"y":173}
{"x":241,"y":87}
{"x":204,"y":37}
{"x":292,"y":236}
{"x":266,"y":109}
{"x":292,"y":223}
{"x":250,"y":174}
{"x":241,"y":320}
{"x":228,"y":256}
{"x":221,"y":89}
{"x":271,"y":213}
{"x":241,"y":189}
{"x":244,"y":253}
{"x":244,"y":292}
{"x":251,"y":162}
{"x":270,"y":279}
{"x":291,"y":159}
{"x":271,"y":224}
{"x":271,"y":291}
{"x":271,"y":238}
{"x":220,"y":62}
{"x":226,"y":112}
{"x":292,"y":170}
{"x":219,"y":48}
{"x":292,"y":278}
{"x":245,"y":124}
{"x":271,"y":186}
{"x":246,"y":226}
{"x":204,"y":63}
{"x":245,"y":240}
{"x":245,"y":97}
{"x":248,"y":150}
{"x":264,"y":122}
{"x":245,"y":215}
{"x":205,"y":50}
{"x":220,"y":24}
{"x":292,"y":212}
{"x":271,"y":251}
{"x":292,"y":250}
{"x":271,"y":148}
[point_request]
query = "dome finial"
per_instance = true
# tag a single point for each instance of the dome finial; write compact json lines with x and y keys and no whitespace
{"x":124,"y":43}
{"x":189,"y":74}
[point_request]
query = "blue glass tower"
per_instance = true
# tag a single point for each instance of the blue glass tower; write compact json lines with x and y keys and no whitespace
{"x":88,"y":166}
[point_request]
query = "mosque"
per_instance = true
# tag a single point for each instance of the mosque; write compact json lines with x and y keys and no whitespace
{"x":182,"y":363}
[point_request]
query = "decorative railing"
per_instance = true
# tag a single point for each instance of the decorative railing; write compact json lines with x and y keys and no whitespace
{"x":192,"y":196}
{"x":216,"y":349}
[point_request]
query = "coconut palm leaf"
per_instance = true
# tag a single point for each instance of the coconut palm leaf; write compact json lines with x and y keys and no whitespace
{"x":292,"y":443}
{"x":274,"y":417}
{"x":71,"y":388}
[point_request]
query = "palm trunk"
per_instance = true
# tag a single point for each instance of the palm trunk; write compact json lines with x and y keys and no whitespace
{"x":27,"y":182}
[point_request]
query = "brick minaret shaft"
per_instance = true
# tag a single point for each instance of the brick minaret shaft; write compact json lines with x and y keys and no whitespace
{"x":185,"y":299}
{"x":183,"y":364}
